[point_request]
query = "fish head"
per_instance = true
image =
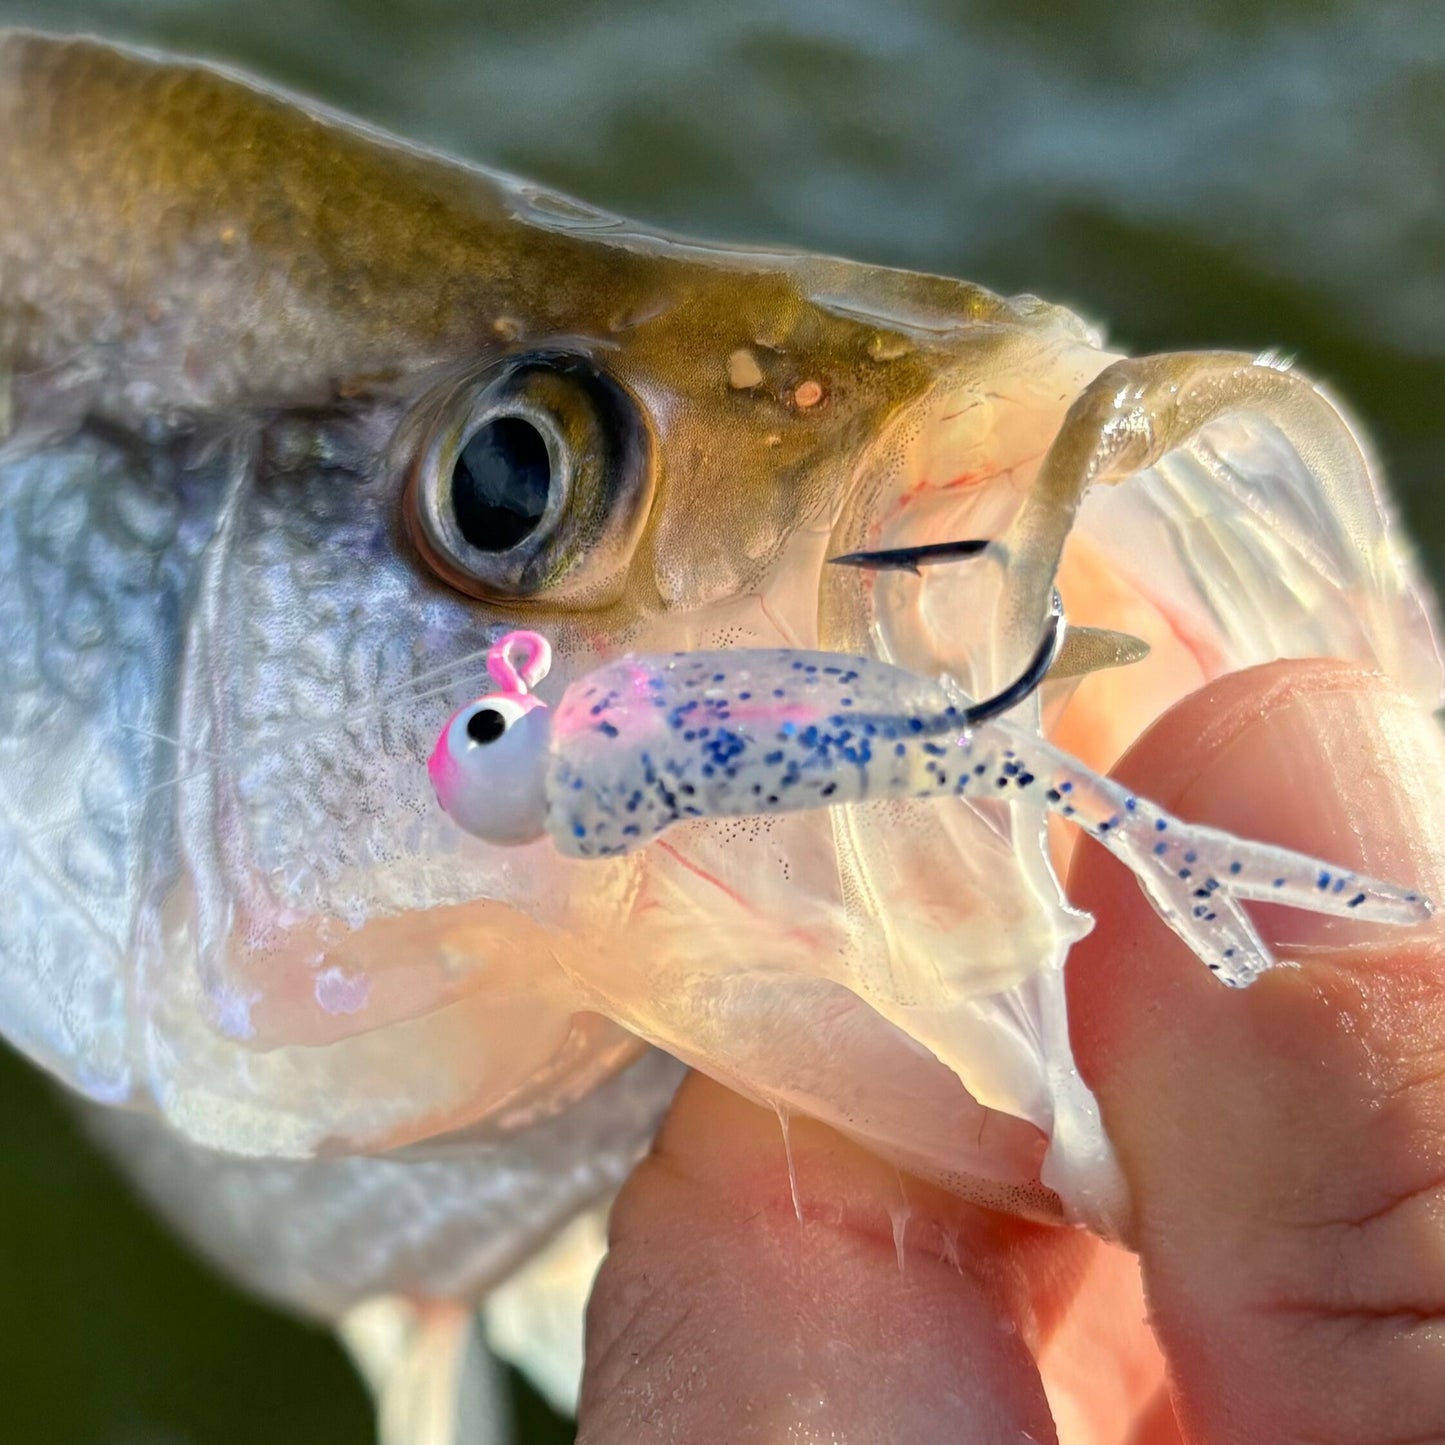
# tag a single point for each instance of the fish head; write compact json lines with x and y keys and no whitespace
{"x":304,"y":419}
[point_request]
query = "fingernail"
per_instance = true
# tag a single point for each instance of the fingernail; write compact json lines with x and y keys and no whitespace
{"x":1338,"y":764}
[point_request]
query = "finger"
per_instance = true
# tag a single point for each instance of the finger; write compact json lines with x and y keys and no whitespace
{"x":890,"y":1312}
{"x":1158,"y":1424}
{"x":1284,"y":1146}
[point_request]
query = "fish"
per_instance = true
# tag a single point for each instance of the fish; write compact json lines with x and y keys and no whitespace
{"x":299,"y":421}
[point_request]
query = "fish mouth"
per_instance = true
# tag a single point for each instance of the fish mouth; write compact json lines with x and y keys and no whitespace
{"x":1226,"y":547}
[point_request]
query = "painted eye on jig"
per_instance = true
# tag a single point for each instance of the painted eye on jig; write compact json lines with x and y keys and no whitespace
{"x":646,"y":742}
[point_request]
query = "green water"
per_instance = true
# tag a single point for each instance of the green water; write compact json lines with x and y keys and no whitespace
{"x":1193,"y":174}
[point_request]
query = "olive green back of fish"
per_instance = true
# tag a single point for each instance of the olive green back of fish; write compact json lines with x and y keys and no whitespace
{"x":179,"y":244}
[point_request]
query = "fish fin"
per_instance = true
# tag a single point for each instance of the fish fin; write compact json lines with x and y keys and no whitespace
{"x":534,"y":1318}
{"x":433,"y":1378}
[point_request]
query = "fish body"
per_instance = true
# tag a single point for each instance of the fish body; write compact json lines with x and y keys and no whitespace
{"x":302,"y":419}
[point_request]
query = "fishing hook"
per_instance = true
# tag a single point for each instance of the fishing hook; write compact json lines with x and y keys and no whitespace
{"x":910,"y":559}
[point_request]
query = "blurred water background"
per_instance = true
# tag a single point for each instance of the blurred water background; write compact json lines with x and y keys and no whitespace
{"x":1203,"y":173}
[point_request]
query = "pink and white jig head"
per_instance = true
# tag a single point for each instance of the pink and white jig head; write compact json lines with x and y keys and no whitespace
{"x":489,"y":766}
{"x":646,"y":742}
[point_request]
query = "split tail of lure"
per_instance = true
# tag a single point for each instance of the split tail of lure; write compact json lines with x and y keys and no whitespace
{"x":1199,"y":878}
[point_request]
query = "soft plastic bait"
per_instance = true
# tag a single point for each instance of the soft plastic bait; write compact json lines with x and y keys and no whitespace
{"x":647,"y":742}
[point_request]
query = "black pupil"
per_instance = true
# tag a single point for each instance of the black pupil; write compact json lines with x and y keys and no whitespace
{"x":486,"y":725}
{"x":500,"y":483}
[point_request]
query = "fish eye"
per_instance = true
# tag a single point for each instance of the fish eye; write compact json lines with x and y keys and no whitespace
{"x":533,"y":481}
{"x":486,"y":725}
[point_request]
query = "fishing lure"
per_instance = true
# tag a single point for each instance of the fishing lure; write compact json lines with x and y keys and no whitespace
{"x":647,"y":742}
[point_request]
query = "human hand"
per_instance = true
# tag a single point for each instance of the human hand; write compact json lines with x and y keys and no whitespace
{"x":1284,"y":1149}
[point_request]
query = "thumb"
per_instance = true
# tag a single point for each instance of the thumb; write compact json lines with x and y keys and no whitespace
{"x":1284,"y":1145}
